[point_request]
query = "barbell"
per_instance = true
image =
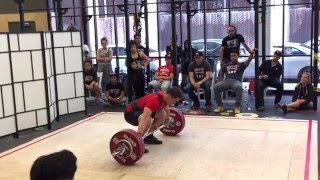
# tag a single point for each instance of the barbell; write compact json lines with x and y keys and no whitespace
{"x":127,"y":146}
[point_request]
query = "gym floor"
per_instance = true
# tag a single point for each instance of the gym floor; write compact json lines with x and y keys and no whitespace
{"x":208,"y":148}
{"x":283,"y":127}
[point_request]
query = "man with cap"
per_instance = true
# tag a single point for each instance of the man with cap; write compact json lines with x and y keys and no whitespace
{"x":199,"y":74}
{"x":270,"y":72}
{"x":114,"y":92}
{"x":163,"y":76}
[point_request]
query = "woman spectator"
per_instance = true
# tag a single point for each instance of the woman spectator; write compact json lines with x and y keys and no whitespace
{"x":104,"y":58}
{"x":138,"y":62}
{"x":302,"y":95}
{"x":91,"y":80}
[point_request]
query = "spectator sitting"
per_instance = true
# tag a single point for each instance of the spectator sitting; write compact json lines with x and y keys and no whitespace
{"x":55,"y":166}
{"x":163,"y":76}
{"x":199,"y":74}
{"x":302,"y":95}
{"x":233,"y":80}
{"x":270,"y":72}
{"x":91,"y":80}
{"x":114,"y":92}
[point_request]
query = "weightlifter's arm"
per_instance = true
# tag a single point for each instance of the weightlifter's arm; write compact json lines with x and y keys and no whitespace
{"x":144,"y":121}
{"x":167,"y":110}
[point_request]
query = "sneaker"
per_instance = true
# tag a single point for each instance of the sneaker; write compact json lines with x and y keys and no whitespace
{"x":208,"y":108}
{"x":218,"y":109}
{"x":260,"y":108}
{"x":284,"y":109}
{"x":146,"y":150}
{"x":237,"y":110}
{"x":152,"y":140}
{"x":277,"y":105}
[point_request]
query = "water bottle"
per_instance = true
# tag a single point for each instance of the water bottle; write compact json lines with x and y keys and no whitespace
{"x":247,"y":99}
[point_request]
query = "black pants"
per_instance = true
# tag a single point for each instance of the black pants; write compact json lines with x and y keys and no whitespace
{"x":272,"y":83}
{"x":138,"y":83}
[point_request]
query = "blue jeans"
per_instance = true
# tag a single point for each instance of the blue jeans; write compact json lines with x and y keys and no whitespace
{"x":228,"y":84}
{"x":206,"y":86}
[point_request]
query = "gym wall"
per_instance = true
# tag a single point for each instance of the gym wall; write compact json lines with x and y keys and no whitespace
{"x":9,"y":12}
{"x":40,"y":19}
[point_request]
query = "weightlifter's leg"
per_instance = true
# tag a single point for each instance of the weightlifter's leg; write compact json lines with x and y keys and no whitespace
{"x":158,"y":120}
{"x":144,"y":124}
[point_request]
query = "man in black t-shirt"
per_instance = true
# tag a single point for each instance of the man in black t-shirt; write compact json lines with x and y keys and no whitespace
{"x":270,"y":72}
{"x":199,"y":74}
{"x":114,"y":92}
{"x":231,"y":43}
{"x":233,"y":73}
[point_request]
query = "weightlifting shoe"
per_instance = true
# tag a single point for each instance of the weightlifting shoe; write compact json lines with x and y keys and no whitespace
{"x":152,"y":140}
{"x":218,"y":109}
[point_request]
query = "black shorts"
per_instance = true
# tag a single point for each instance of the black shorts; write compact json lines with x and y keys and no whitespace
{"x":132,"y":116}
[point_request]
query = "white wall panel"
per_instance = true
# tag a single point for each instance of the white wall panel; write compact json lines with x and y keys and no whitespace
{"x":62,"y":39}
{"x":4,"y":43}
{"x":14,"y":45}
{"x":59,"y":57}
{"x":76,"y":105}
{"x":42,"y":117}
{"x":1,"y":109}
{"x":76,"y":38}
{"x":63,"y":108}
{"x":8,"y":100}
{"x":21,"y":66}
{"x":51,"y":60}
{"x":5,"y":77}
{"x":35,"y":97}
{"x":26,"y":120}
{"x":49,"y":92}
{"x":55,"y":110}
{"x":73,"y":59}
{"x":37,"y":63}
{"x":52,"y":114}
{"x":18,"y":93}
{"x":65,"y":86}
{"x":48,"y":40}
{"x":48,"y":62}
{"x":30,"y":41}
{"x":79,"y":84}
{"x":7,"y":126}
{"x":52,"y":90}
